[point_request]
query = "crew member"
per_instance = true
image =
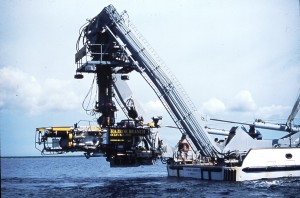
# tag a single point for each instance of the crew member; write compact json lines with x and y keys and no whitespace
{"x":183,"y":147}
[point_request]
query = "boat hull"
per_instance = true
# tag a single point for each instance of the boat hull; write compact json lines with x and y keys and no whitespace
{"x":258,"y":164}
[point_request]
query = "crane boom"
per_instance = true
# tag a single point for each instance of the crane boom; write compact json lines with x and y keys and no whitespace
{"x":294,"y":112}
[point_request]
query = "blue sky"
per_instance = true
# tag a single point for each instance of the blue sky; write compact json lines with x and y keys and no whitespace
{"x":237,"y":60}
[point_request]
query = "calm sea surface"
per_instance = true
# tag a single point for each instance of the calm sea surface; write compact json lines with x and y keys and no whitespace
{"x":80,"y":177}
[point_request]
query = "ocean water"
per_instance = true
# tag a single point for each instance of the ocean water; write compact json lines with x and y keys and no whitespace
{"x":80,"y":177}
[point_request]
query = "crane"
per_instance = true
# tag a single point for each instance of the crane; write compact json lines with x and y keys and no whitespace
{"x":111,"y":28}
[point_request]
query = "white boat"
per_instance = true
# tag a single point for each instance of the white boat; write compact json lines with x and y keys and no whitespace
{"x":258,"y":164}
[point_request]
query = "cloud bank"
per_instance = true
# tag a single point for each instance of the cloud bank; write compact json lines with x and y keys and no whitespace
{"x":214,"y":106}
{"x":19,"y":89}
{"x":243,"y":103}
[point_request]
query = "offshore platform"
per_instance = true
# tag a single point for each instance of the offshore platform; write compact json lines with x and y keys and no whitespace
{"x":110,"y":47}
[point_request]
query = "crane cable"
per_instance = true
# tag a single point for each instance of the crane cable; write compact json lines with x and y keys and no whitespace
{"x":88,"y":110}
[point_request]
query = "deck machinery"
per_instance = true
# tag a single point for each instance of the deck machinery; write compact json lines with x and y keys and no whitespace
{"x":110,"y":47}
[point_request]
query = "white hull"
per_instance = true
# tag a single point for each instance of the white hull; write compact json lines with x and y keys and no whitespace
{"x":258,"y":164}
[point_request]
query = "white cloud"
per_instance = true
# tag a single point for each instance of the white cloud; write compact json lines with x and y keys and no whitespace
{"x":19,"y":89}
{"x":214,"y":106}
{"x":273,"y":112}
{"x":242,"y":106}
{"x":242,"y":102}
